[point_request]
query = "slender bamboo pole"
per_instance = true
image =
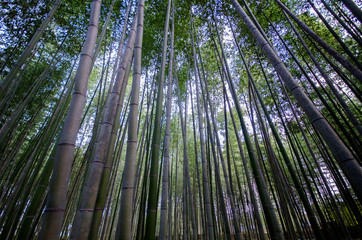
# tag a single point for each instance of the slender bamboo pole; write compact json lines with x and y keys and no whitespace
{"x":272,"y":222}
{"x":124,"y":228}
{"x":353,"y":70}
{"x":353,"y":8}
{"x":152,"y":195}
{"x":165,"y":173}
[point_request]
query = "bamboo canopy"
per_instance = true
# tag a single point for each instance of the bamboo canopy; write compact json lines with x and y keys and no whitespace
{"x":174,"y":119}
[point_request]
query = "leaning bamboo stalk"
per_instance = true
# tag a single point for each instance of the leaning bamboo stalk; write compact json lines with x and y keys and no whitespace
{"x":10,"y":94}
{"x":107,"y":167}
{"x":357,"y":12}
{"x":319,"y":169}
{"x":301,"y":193}
{"x":327,"y":79}
{"x":345,"y":159}
{"x":34,"y":209}
{"x":346,"y":79}
{"x":326,"y":156}
{"x":13,"y":120}
{"x":116,"y":66}
{"x":353,"y":70}
{"x":352,"y":140}
{"x":143,"y":137}
{"x":146,"y":156}
{"x":55,"y":206}
{"x":340,"y":21}
{"x":348,"y":19}
{"x":113,"y":192}
{"x":336,"y":36}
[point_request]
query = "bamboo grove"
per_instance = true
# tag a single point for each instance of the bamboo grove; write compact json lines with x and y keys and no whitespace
{"x":175,"y":119}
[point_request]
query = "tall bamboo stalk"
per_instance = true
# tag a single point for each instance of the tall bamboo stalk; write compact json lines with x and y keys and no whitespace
{"x":57,"y":195}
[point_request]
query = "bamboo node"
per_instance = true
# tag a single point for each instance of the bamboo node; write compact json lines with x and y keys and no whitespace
{"x":293,"y":88}
{"x":66,"y":144}
{"x":316,"y":119}
{"x":86,"y":54}
{"x":85,"y":210}
{"x":277,"y":64}
{"x":345,"y":160}
{"x":80,"y":93}
{"x":106,"y":122}
{"x":115,"y":93}
{"x":54,"y":210}
{"x":263,"y":44}
{"x":92,"y":24}
{"x":97,"y":161}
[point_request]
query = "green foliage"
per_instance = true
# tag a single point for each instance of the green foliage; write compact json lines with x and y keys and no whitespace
{"x":20,"y":19}
{"x":61,"y":45}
